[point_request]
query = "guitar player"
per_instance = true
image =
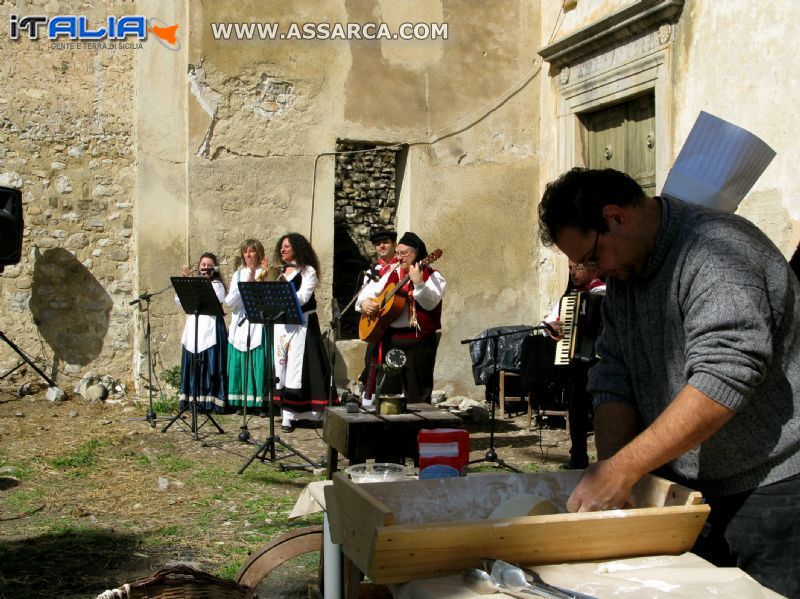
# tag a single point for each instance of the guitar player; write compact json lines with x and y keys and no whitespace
{"x":415,"y":329}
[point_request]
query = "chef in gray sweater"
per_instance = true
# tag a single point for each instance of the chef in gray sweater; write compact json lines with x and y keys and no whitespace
{"x":698,"y":375}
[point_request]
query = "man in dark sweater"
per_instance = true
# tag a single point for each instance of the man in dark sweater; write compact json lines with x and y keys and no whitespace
{"x":699,"y":364}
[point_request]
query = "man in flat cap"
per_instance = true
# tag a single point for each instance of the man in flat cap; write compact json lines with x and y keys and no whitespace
{"x":385,"y":241}
{"x":414,"y":331}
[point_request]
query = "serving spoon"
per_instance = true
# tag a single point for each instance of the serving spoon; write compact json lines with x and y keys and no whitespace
{"x":484,"y":583}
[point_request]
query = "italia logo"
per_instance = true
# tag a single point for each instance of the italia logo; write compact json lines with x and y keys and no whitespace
{"x":77,"y":28}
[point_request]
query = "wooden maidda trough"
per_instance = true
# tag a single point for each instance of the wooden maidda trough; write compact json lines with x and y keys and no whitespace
{"x":400,"y":531}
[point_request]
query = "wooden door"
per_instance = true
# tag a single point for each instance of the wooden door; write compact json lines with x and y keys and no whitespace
{"x":623,"y":137}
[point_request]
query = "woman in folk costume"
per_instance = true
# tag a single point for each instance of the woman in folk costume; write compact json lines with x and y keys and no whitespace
{"x":249,"y":382}
{"x":301,"y":366}
{"x":415,"y":330}
{"x":210,"y":385}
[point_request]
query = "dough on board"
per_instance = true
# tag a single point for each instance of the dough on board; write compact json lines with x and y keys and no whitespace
{"x":525,"y":505}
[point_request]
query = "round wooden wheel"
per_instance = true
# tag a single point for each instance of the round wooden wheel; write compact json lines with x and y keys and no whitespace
{"x":281,"y":549}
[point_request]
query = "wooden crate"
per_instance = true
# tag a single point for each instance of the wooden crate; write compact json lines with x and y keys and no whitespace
{"x":399,"y":531}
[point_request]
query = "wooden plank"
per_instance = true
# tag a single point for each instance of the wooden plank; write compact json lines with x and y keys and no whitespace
{"x":656,"y":491}
{"x":355,"y":516}
{"x":419,"y":551}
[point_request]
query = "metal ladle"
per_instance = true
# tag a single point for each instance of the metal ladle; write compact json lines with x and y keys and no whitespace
{"x":482,"y":583}
{"x":513,"y":579}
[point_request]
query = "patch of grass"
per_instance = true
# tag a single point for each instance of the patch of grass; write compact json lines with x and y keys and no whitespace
{"x":211,"y":474}
{"x":486,"y":467}
{"x":277,"y":476}
{"x":269,"y":504}
{"x":533,"y":467}
{"x":233,"y":558}
{"x":174,"y":463}
{"x":172,"y":376}
{"x":18,"y":469}
{"x":84,"y":456}
{"x":165,"y":405}
{"x":164,"y":532}
{"x":230,"y":570}
{"x":21,"y":500}
{"x":62,"y":525}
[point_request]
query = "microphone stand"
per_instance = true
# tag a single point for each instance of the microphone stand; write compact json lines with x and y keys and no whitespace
{"x":331,"y":455}
{"x":494,"y":393}
{"x":244,"y":433}
{"x":144,"y":300}
{"x":334,"y":326}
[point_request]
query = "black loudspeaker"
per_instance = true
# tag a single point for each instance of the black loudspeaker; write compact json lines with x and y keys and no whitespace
{"x":10,"y":226}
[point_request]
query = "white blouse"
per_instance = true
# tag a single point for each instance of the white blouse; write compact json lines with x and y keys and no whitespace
{"x":206,"y":325}
{"x":237,"y":334}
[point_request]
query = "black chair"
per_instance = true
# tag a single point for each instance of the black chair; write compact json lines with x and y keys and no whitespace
{"x":542,"y":379}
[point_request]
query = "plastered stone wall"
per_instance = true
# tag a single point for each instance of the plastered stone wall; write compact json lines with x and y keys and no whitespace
{"x":161,"y":213}
{"x":135,"y":162}
{"x":260,"y":157}
{"x":737,"y":69}
{"x":66,"y":140}
{"x":733,"y":67}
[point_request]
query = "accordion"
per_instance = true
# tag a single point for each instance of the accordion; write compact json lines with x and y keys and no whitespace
{"x":580,"y":319}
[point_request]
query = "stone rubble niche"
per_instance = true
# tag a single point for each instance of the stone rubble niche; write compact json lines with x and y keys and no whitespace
{"x":365,"y":201}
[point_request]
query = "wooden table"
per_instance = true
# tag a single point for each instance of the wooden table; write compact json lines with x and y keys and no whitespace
{"x":362,"y":435}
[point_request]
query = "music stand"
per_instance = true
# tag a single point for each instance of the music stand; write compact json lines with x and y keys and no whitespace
{"x":268,"y":303}
{"x":197,"y":297}
{"x":493,"y":391}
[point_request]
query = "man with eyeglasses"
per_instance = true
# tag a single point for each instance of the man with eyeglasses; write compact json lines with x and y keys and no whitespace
{"x":698,"y":375}
{"x":415,"y":330}
{"x":582,"y":279}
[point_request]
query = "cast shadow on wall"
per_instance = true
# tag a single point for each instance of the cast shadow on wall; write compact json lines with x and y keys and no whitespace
{"x":70,"y":307}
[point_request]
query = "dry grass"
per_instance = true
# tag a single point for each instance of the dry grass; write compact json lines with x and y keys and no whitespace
{"x":85,"y":507}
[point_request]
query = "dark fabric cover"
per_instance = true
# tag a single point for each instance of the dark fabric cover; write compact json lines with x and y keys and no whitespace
{"x":508,"y":351}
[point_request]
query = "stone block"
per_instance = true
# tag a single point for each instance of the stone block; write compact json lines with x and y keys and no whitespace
{"x":76,"y":241}
{"x":55,"y":394}
{"x":96,"y":393}
{"x":76,"y":151}
{"x":118,"y":254}
{"x":11,"y":179}
{"x":94,"y":223}
{"x":46,"y":243}
{"x":63,"y":184}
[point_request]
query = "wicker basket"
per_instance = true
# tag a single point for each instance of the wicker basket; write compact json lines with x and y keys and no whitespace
{"x":181,"y":582}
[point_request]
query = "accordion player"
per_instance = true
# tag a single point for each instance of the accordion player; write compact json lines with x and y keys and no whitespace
{"x":579,"y":314}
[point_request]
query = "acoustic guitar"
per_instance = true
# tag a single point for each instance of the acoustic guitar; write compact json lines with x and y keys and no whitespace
{"x":390,"y":305}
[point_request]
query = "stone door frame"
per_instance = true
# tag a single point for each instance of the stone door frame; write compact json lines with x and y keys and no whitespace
{"x":626,"y":54}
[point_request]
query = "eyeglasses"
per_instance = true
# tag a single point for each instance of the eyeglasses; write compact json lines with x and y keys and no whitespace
{"x":403,"y":254}
{"x":590,"y":261}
